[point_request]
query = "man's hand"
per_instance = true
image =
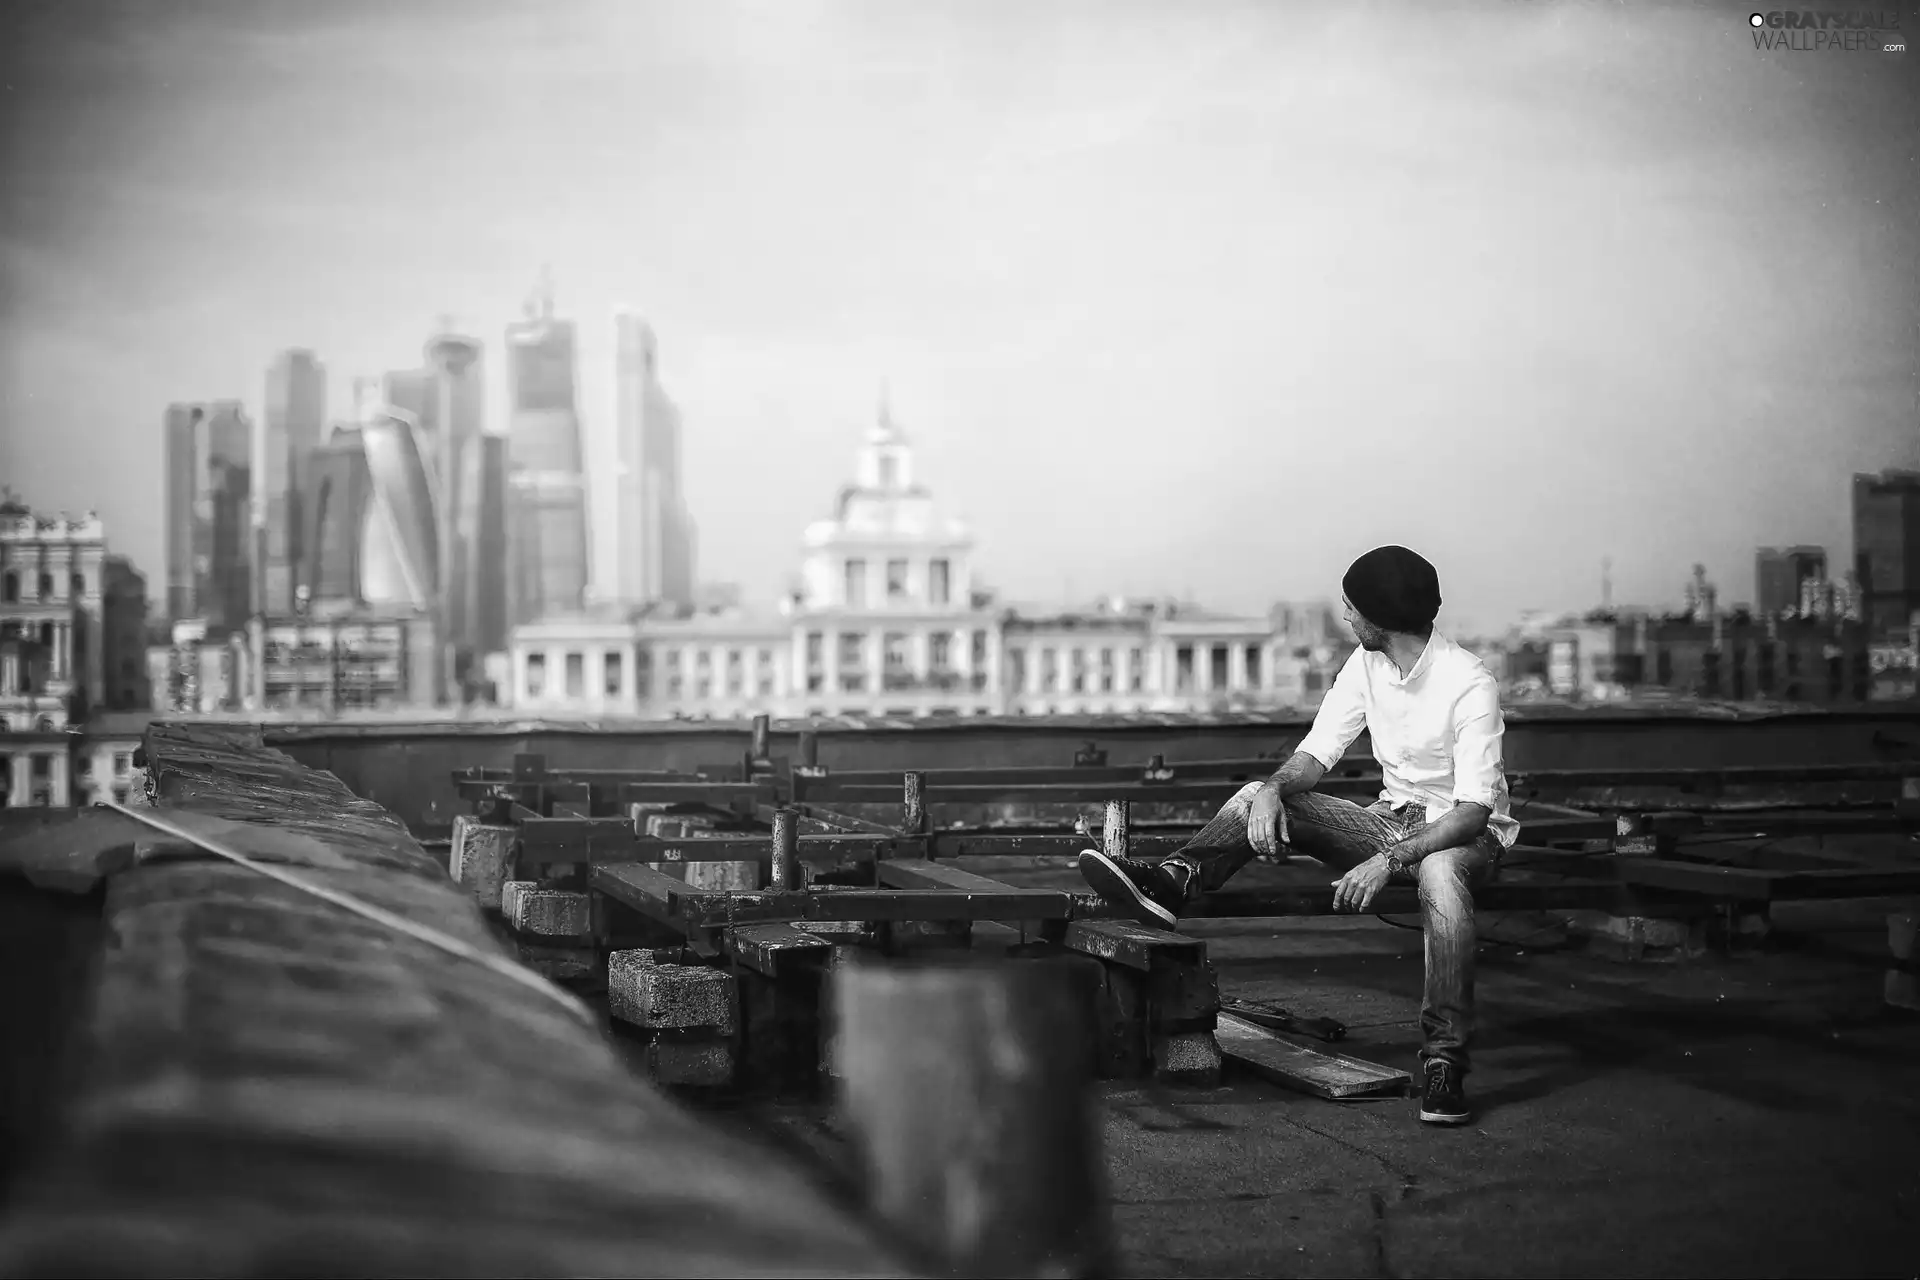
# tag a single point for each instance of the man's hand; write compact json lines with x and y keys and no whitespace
{"x":1355,"y":890}
{"x":1267,"y":821}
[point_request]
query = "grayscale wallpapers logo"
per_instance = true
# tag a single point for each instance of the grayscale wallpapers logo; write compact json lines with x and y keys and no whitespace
{"x":1827,"y":31}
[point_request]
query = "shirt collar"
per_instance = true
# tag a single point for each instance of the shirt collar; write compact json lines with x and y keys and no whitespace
{"x":1422,"y":663}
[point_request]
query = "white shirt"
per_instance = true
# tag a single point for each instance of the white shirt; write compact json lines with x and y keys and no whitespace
{"x":1437,"y":734}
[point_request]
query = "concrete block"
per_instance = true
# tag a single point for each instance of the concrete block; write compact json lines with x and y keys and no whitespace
{"x":670,"y":996}
{"x":716,"y":876}
{"x":1187,"y":1057}
{"x":550,"y":913}
{"x":510,"y":892}
{"x":698,"y":1061}
{"x":482,"y":859}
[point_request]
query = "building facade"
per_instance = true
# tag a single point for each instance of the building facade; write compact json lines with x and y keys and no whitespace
{"x":1734,"y":659}
{"x":547,"y":488}
{"x":1886,"y":543}
{"x":889,"y":619}
{"x":654,"y":538}
{"x":54,"y":647}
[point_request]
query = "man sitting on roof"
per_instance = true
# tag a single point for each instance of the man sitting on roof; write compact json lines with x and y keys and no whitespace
{"x":1442,"y":820}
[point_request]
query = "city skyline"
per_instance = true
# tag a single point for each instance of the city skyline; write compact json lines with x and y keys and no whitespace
{"x":1654,"y":307}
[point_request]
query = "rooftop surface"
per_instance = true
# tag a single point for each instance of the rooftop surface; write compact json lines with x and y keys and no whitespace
{"x":1740,"y":1116}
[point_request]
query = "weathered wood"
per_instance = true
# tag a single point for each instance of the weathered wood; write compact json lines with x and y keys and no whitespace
{"x":774,"y":949}
{"x":1113,"y":836}
{"x":921,"y":873}
{"x":1333,"y":1076}
{"x":1133,"y":945}
{"x":913,"y":803}
{"x":1003,"y":1177}
{"x":785,"y":871}
{"x":272,"y":1085}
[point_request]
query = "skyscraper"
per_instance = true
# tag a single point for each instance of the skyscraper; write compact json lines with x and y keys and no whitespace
{"x":399,"y":554}
{"x":1886,"y":549}
{"x":547,"y":493}
{"x":207,"y":450}
{"x":1780,"y":577}
{"x":291,"y":428}
{"x":653,"y":557}
{"x":334,"y":511}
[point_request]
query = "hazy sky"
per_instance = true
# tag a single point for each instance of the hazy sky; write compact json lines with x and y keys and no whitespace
{"x":1173,"y":297}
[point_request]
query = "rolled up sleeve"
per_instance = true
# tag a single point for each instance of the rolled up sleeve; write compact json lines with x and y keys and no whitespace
{"x":1342,"y":715}
{"x":1479,"y":736}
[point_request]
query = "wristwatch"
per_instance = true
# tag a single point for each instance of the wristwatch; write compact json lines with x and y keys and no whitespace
{"x":1394,"y":863}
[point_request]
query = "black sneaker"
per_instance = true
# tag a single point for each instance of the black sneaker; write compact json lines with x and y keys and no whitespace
{"x":1153,"y":893}
{"x":1444,"y":1101}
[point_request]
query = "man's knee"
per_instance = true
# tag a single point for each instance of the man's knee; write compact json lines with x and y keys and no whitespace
{"x":1446,"y":875}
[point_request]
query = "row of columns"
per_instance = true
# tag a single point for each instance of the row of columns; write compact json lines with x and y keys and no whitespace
{"x":21,"y":782}
{"x":62,"y":646}
{"x":918,"y":656}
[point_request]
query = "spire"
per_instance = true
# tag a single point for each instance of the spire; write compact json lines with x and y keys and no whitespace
{"x":885,"y":430}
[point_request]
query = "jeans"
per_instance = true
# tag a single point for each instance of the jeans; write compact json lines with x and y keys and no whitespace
{"x":1343,"y":835}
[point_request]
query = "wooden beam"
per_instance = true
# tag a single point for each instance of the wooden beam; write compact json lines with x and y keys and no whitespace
{"x":773,"y":949}
{"x":1333,"y":1076}
{"x":1133,"y":945}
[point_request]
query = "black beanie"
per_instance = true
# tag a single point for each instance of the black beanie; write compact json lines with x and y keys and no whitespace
{"x":1394,"y":588}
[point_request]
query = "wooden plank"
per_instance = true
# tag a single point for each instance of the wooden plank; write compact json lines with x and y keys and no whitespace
{"x":1753,"y":884}
{"x":993,"y":844}
{"x":1133,"y":945}
{"x":693,"y":909}
{"x":651,"y":893}
{"x":1057,"y":793}
{"x":852,"y":822}
{"x":1395,"y":899}
{"x":719,"y":794}
{"x":1333,"y":1076}
{"x":919,"y":873}
{"x":611,"y":841}
{"x":772,"y":949}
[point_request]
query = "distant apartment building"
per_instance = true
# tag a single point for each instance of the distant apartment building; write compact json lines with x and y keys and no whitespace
{"x":1719,"y":658}
{"x":68,"y":612}
{"x":889,"y":619}
{"x":208,"y":517}
{"x":1886,"y":542}
{"x":653,"y":532}
{"x":318,"y":667}
{"x":546,"y":483}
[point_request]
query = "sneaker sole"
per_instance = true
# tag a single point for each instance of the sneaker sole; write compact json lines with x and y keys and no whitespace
{"x":1442,"y":1117}
{"x":1111,"y":883}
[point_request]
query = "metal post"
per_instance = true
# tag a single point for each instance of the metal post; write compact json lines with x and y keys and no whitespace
{"x":809,"y":748}
{"x":1114,"y":837}
{"x":762,"y":737}
{"x":915,"y":802}
{"x":784,"y":873}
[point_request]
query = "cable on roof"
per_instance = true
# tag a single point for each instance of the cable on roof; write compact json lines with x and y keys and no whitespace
{"x":379,"y":915}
